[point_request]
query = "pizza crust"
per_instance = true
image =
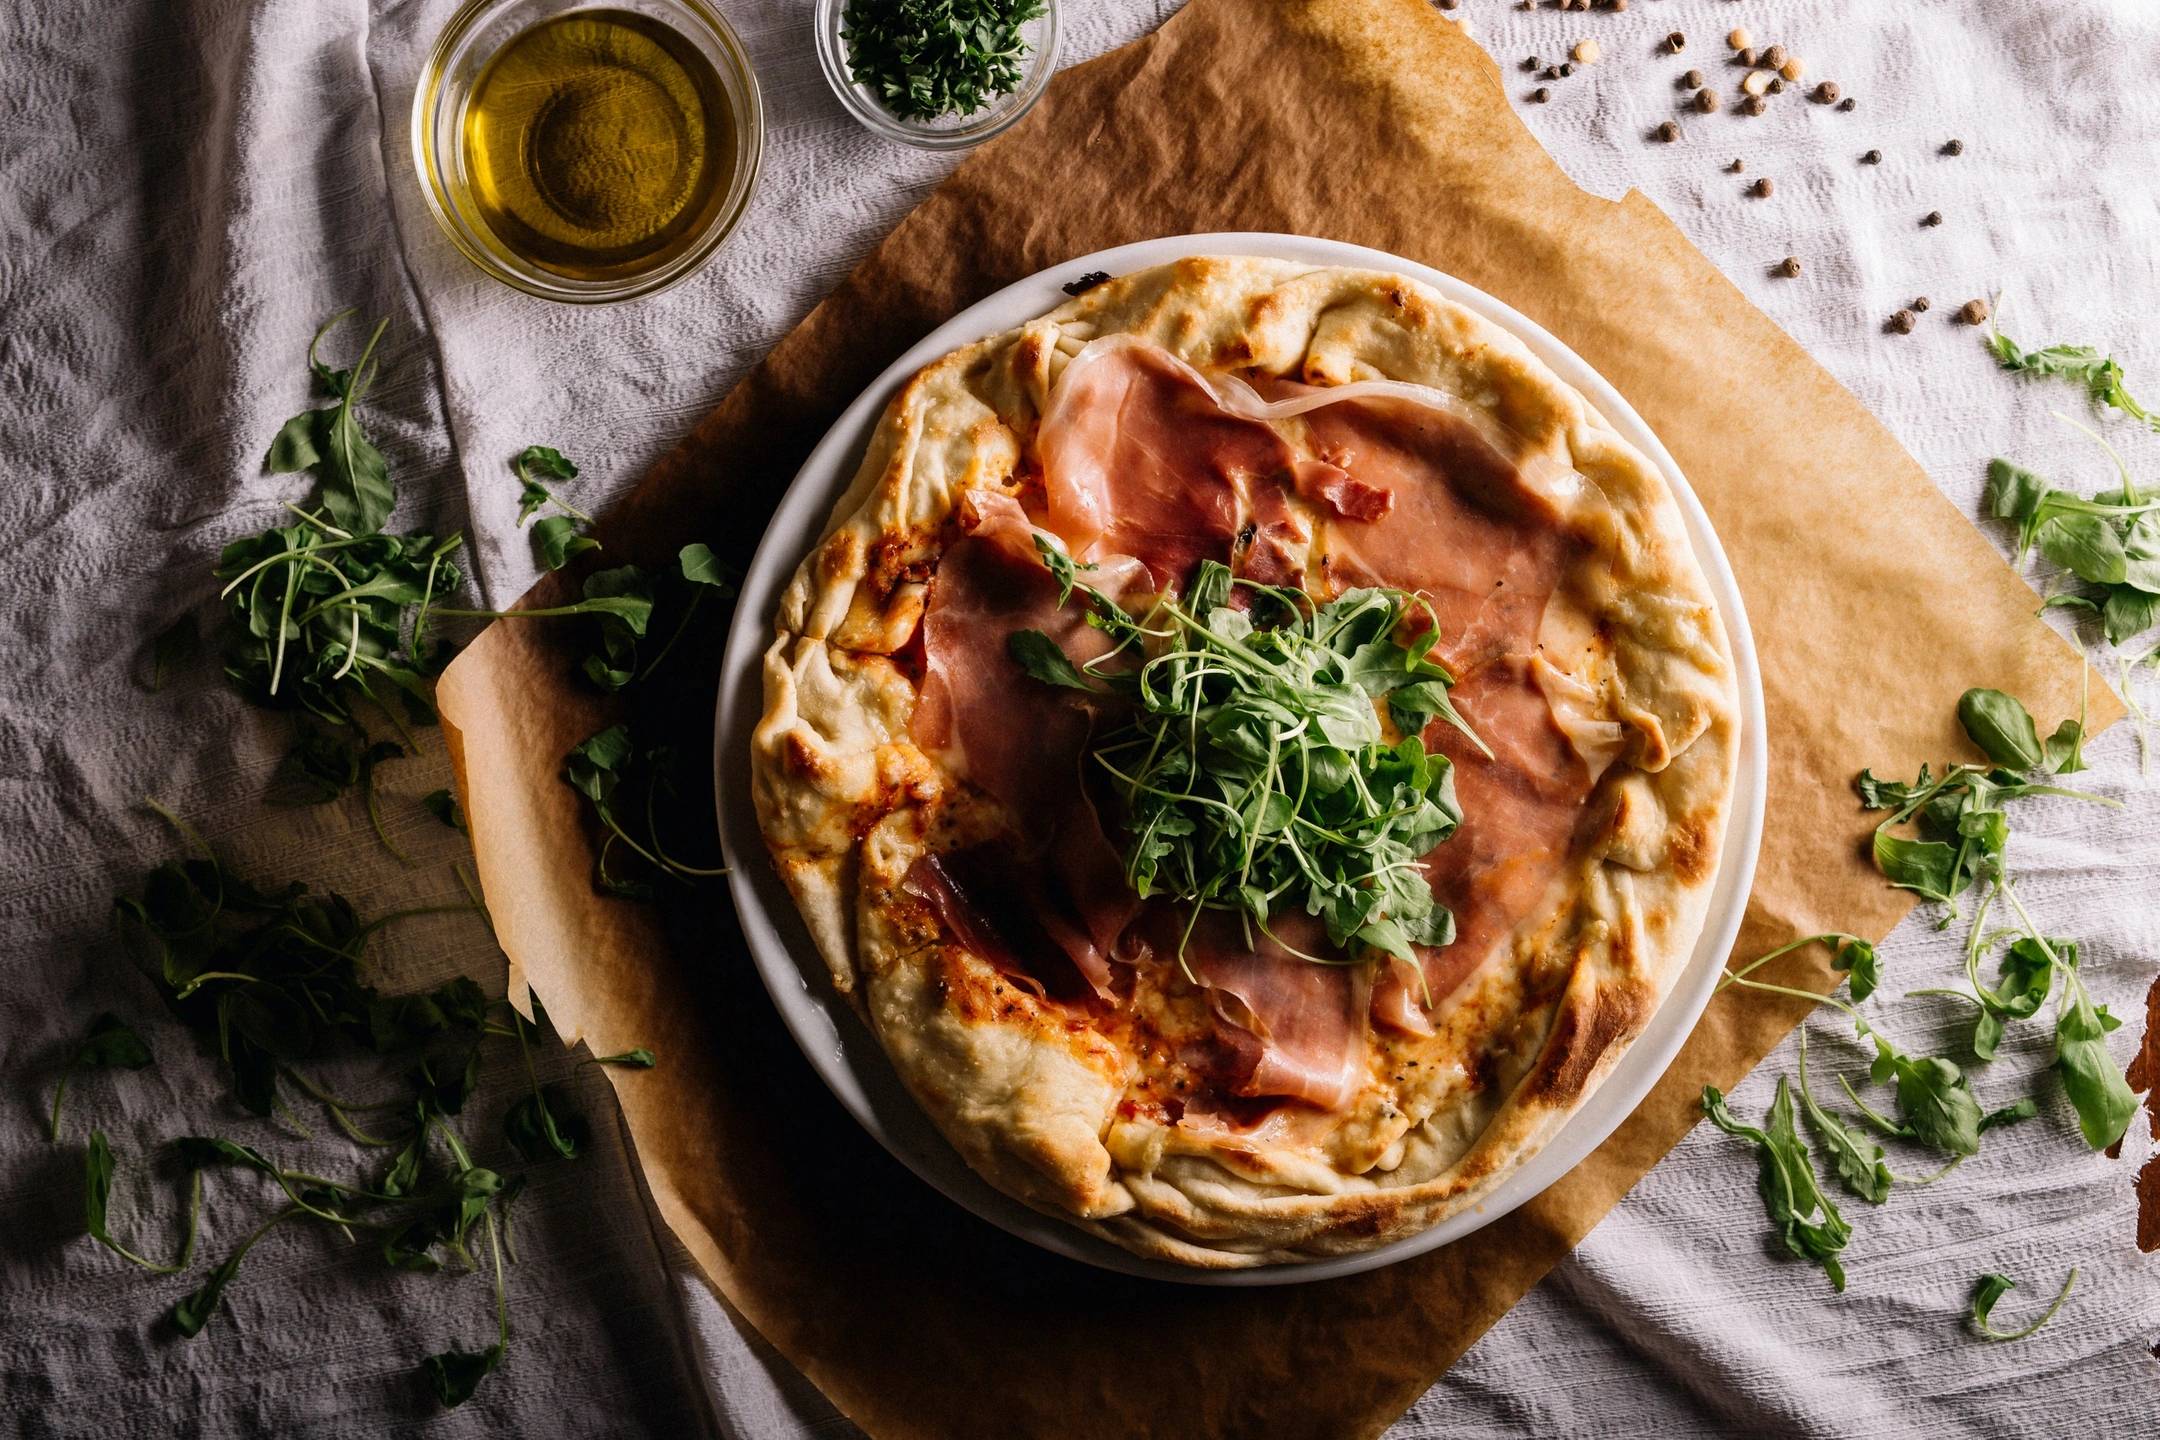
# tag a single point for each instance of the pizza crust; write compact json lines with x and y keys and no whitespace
{"x":1639,"y":662}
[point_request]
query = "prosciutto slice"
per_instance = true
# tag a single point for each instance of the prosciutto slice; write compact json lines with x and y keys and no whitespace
{"x":1298,"y":1028}
{"x":1141,"y":458}
{"x":1460,"y":526}
{"x":1520,"y":809}
{"x":1018,"y":740}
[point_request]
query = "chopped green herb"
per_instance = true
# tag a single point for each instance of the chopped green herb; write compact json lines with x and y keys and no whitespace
{"x":558,"y":537}
{"x":926,"y":58}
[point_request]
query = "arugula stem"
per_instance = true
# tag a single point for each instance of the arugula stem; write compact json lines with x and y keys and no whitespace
{"x":1887,"y":1126}
{"x":317,"y":1093}
{"x":1989,"y":1332}
{"x":374,"y":815}
{"x":1828,"y":937}
{"x":52,"y":1128}
{"x":697,"y":594}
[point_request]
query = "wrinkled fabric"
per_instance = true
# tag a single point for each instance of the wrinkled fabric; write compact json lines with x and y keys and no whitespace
{"x":186,"y":190}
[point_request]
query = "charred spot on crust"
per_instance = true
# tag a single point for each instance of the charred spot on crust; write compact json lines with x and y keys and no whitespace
{"x":1690,"y":850}
{"x":1579,"y":1040}
{"x":1086,"y":282}
{"x":799,"y":758}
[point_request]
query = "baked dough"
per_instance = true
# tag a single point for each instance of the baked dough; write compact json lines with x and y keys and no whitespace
{"x":1090,"y":1107}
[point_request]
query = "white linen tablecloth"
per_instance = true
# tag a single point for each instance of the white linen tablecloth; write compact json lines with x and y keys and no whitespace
{"x":186,"y":189}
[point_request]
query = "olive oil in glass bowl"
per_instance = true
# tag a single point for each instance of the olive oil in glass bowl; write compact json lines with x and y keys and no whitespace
{"x":588,"y":153}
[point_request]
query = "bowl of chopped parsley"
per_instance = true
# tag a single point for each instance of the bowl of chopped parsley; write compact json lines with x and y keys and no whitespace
{"x":940,"y":74}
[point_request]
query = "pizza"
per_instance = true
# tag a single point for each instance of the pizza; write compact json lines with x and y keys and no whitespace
{"x":1254,"y":745}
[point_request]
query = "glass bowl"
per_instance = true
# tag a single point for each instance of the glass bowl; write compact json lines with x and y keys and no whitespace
{"x":944,"y":132}
{"x":474,"y":36}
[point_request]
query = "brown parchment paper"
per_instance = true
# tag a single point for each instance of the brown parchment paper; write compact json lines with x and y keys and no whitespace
{"x":1372,"y":121}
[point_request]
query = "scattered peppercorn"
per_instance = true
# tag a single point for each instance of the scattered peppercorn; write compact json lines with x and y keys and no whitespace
{"x":1739,"y":39}
{"x":1736,"y":167}
{"x":1932,"y":218}
{"x":1826,"y":92}
{"x":1668,"y":132}
{"x":1789,"y":267}
{"x":1902,"y":322}
{"x":1532,"y":63}
{"x":1449,"y":4}
{"x":1566,"y":70}
{"x":1585,"y":52}
{"x":1552,"y":72}
{"x":1920,"y":304}
{"x":1617,"y":5}
{"x":1776,"y":86}
{"x":1747,"y":58}
{"x":1540,"y":95}
{"x":1974,"y":312}
{"x":1774,"y":56}
{"x":1848,"y":104}
{"x":1755,"y":105}
{"x":1706,"y":101}
{"x":1762,"y":189}
{"x":1675,"y":43}
{"x":1693,"y":80}
{"x":1873,"y":157}
{"x":1955,"y":147}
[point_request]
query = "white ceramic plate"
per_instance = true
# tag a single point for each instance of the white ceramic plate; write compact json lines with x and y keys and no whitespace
{"x":841,"y":1047}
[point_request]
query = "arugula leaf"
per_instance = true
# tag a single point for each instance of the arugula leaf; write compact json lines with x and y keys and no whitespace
{"x":610,"y":765}
{"x":1859,"y":1160}
{"x":109,"y":1045}
{"x":638,"y":1059}
{"x":1993,"y":1287}
{"x":193,"y":1310}
{"x":560,"y":541}
{"x":546,"y":1125}
{"x":1929,"y":868}
{"x":1805,"y":1219}
{"x":97,"y":1204}
{"x":455,"y":1374}
{"x":1041,"y":658}
{"x":2002,"y":728}
{"x":1857,"y":959}
{"x":2018,"y":1111}
{"x":558,"y":537}
{"x":356,"y":486}
{"x":2102,"y":1097}
{"x":1937,"y":1103}
{"x":444,"y":807}
{"x":2082,"y":364}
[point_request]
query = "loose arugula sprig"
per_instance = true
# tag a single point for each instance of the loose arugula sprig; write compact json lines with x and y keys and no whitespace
{"x":333,"y":610}
{"x":2081,"y":364}
{"x":269,"y":978}
{"x":1993,"y":1287}
{"x":356,"y":486}
{"x":1806,"y":1220}
{"x":632,"y":788}
{"x":1254,"y":774}
{"x":614,"y":664}
{"x":926,"y":58}
{"x":558,"y":536}
{"x":2111,"y":542}
{"x":1964,"y":806}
